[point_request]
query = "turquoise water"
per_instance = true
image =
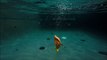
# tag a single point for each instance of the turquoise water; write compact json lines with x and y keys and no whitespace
{"x":27,"y":29}
{"x":23,"y":43}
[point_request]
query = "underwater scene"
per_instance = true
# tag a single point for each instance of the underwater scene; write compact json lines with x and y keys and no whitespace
{"x":53,"y":29}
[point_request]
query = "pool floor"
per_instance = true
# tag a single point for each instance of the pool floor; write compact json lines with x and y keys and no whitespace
{"x":77,"y":45}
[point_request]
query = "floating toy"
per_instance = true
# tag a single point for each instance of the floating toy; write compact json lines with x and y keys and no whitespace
{"x":57,"y":43}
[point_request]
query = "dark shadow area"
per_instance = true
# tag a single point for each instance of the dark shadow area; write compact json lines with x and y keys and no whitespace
{"x":95,"y":23}
{"x":89,"y":21}
{"x":15,"y":28}
{"x":102,"y":53}
{"x":49,"y":18}
{"x":94,"y":20}
{"x":42,"y":48}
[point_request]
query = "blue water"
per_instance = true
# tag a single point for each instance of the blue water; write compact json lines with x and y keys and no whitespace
{"x":26,"y":26}
{"x":24,"y":44}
